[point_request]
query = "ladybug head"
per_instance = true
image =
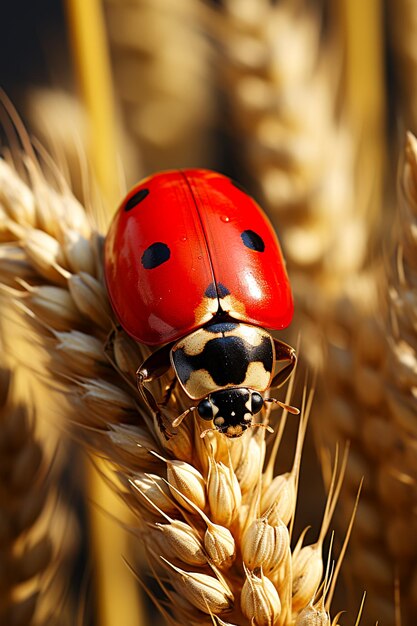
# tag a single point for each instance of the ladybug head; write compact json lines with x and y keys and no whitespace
{"x":231,"y":409}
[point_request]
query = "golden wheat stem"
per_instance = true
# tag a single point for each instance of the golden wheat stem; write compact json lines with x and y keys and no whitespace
{"x":361,"y":24}
{"x":92,"y":62}
{"x":119,"y":601}
{"x":92,"y":65}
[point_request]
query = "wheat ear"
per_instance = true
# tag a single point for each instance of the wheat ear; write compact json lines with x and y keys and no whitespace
{"x":38,"y":534}
{"x":370,"y":373}
{"x":214,"y":521}
{"x":165,"y":91}
{"x":280,"y":84}
{"x":401,"y":377}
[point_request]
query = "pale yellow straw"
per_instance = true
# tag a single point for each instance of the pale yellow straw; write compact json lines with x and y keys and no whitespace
{"x":117,"y":592}
{"x":92,"y":69}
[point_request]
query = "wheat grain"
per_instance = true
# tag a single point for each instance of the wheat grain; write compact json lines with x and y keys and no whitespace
{"x":223,"y":492}
{"x":259,"y":599}
{"x":214,"y":521}
{"x":219,"y":544}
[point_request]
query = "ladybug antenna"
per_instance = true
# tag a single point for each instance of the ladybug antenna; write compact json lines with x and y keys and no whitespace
{"x":208,"y":430}
{"x":177,"y":421}
{"x":266,"y":426}
{"x":286,"y":407}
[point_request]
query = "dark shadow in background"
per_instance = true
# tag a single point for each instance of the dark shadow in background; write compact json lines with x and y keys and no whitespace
{"x":33,"y":45}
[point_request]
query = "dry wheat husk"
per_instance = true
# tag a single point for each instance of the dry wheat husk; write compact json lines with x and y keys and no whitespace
{"x":38,"y":533}
{"x":370,"y":374}
{"x":161,"y":70}
{"x":58,"y":120}
{"x":214,"y":521}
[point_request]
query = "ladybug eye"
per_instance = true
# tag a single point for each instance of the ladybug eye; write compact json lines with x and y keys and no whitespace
{"x":256,"y":402}
{"x":253,"y":241}
{"x":205,"y":409}
{"x":136,"y":198}
{"x":155,"y":255}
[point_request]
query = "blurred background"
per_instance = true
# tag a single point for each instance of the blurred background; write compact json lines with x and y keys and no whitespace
{"x":305,"y":102}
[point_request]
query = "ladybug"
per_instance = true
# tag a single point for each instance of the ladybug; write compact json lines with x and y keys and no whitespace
{"x":193,"y":265}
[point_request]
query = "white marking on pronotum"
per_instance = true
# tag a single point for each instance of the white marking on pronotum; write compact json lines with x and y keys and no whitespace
{"x":257,"y":377}
{"x":199,"y":384}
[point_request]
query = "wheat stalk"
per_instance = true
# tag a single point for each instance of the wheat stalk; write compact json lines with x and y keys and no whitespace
{"x":92,"y":67}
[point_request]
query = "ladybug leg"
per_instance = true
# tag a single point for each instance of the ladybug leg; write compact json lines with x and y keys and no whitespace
{"x":149,"y":399}
{"x":108,"y":346}
{"x":156,"y":365}
{"x":283,"y":352}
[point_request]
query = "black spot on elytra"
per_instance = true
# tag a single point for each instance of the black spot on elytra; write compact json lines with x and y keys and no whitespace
{"x":136,"y":198}
{"x":216,"y":290}
{"x":155,"y":255}
{"x":252,"y":240}
{"x":225,"y":358}
{"x":222,"y":290}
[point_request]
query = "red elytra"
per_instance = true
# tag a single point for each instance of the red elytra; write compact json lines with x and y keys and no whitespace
{"x":186,"y":246}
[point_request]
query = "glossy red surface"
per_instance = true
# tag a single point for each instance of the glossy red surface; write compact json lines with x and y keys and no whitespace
{"x":200,"y":215}
{"x":257,"y":279}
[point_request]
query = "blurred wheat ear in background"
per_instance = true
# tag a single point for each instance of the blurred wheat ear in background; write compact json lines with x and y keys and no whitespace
{"x":370,"y":373}
{"x":161,"y":60}
{"x":38,"y":531}
{"x":281,"y":88}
